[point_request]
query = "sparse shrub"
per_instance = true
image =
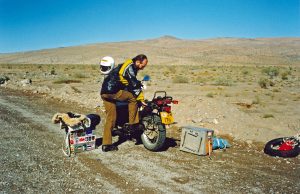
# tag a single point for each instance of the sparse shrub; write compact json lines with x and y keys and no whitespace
{"x":271,"y":83}
{"x":9,"y":66}
{"x":166,"y":73}
{"x":256,"y":100}
{"x":271,"y":71}
{"x":52,"y":72}
{"x":94,"y":67}
{"x":76,"y":89}
{"x":270,"y":94}
{"x":65,"y":81}
{"x":210,"y":95}
{"x":284,"y":75}
{"x":263,"y":83}
{"x":268,"y":116}
{"x":276,"y":90}
{"x":200,"y":79}
{"x":79,"y":75}
{"x":223,"y":82}
{"x":245,"y":72}
{"x":180,"y":79}
{"x":171,"y":69}
{"x":227,"y":95}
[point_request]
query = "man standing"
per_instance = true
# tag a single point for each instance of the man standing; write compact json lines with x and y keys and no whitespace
{"x":121,"y":84}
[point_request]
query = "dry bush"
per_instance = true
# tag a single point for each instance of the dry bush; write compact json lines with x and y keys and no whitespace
{"x":180,"y":79}
{"x":284,"y":75}
{"x":80,"y":75}
{"x":200,"y":79}
{"x":223,"y":82}
{"x":76,"y":89}
{"x":63,"y":80}
{"x":268,"y":116}
{"x":276,"y":90}
{"x":271,"y":71}
{"x":245,"y":72}
{"x":256,"y":100}
{"x":227,"y":95}
{"x":53,"y":72}
{"x":263,"y":83}
{"x":210,"y":95}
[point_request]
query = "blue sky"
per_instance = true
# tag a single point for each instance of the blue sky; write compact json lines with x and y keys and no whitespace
{"x":38,"y":24}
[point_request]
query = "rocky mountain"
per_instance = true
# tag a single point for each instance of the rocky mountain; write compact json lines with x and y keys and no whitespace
{"x":169,"y":50}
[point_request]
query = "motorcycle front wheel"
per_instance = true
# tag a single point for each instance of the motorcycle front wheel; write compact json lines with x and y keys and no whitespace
{"x":154,"y":134}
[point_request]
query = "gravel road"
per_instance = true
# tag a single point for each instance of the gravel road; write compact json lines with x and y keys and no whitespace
{"x":31,"y":160}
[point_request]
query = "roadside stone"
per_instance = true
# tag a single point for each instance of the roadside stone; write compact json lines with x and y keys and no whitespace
{"x":197,"y":120}
{"x":210,"y":120}
{"x":249,"y":142}
{"x":43,"y":89}
{"x":215,"y":121}
{"x":26,"y":82}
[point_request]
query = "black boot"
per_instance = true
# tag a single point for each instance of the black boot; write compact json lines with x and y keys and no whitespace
{"x":108,"y":148}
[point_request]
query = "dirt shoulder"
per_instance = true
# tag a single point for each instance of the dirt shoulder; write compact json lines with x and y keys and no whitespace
{"x":31,"y":159}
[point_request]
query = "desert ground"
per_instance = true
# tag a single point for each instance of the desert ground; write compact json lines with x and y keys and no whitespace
{"x":246,"y":90}
{"x":244,"y":102}
{"x":32,"y":160}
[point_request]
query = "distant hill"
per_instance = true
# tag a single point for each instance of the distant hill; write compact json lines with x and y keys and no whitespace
{"x":168,"y":50}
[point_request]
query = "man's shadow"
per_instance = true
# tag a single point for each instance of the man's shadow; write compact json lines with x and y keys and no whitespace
{"x":99,"y":142}
{"x":169,"y":142}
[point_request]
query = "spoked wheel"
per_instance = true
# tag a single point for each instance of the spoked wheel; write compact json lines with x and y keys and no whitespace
{"x":283,"y":147}
{"x":66,"y":146}
{"x":154,"y":134}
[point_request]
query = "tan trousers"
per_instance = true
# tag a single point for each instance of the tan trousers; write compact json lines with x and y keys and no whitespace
{"x":109,"y":101}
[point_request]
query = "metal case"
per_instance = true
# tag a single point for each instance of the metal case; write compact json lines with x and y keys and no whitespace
{"x":81,"y":141}
{"x":196,"y":140}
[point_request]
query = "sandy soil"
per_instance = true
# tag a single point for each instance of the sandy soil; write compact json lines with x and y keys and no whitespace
{"x":32,"y":160}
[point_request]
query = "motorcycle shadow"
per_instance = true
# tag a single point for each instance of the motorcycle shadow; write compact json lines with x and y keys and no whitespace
{"x":169,"y":143}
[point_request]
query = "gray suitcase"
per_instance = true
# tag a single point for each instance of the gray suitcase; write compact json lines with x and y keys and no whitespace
{"x":196,"y":140}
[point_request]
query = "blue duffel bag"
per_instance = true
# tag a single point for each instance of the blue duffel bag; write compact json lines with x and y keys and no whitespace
{"x":219,"y":143}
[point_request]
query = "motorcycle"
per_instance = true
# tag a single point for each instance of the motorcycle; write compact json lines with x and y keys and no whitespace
{"x":153,"y":119}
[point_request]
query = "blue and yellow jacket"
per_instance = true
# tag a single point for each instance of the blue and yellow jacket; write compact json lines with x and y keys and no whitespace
{"x":123,"y":77}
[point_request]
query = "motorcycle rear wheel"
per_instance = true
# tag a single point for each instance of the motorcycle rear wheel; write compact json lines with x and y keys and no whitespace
{"x":154,"y":134}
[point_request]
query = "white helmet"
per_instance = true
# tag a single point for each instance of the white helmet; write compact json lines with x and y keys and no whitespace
{"x":106,"y":65}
